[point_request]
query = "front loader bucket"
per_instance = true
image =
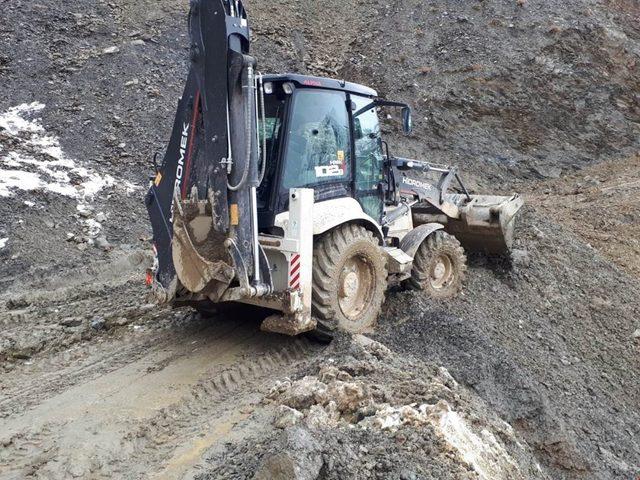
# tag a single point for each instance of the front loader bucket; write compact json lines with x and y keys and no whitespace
{"x":485,"y":223}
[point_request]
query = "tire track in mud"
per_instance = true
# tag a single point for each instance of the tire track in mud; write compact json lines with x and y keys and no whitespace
{"x":152,"y":406}
{"x":214,"y":402}
{"x":119,"y":352}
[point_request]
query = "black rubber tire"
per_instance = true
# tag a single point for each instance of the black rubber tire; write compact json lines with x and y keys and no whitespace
{"x":331,"y":253}
{"x":320,"y":335}
{"x":437,"y":245}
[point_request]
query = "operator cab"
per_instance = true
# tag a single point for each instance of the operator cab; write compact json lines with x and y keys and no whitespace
{"x":323,"y":134}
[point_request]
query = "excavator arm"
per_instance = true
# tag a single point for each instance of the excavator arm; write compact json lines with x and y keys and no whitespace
{"x":202,"y":202}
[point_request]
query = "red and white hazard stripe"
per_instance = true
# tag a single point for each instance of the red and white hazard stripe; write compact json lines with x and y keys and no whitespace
{"x":294,"y":272}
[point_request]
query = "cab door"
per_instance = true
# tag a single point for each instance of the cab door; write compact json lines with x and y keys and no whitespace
{"x":369,"y":160}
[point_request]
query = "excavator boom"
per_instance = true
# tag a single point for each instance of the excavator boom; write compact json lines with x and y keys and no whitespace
{"x":202,"y":200}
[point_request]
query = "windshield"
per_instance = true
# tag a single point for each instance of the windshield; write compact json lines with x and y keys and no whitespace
{"x":318,"y":149}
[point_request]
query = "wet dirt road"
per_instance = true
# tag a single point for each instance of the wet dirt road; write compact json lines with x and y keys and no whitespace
{"x":149,"y":406}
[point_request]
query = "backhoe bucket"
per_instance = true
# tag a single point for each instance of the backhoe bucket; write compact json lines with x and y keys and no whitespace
{"x":486,"y":223}
{"x":200,"y":258}
{"x":483,"y":224}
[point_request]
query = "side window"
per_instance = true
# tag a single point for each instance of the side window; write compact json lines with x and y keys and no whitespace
{"x":318,"y":146}
{"x":369,"y":159}
{"x":270,"y":134}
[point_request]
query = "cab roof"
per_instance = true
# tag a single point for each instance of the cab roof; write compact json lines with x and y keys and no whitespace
{"x":321,"y":82}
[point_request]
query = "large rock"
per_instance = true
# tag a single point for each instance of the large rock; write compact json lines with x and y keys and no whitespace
{"x":545,"y":171}
{"x":286,"y":417}
{"x":320,"y":417}
{"x":304,"y":393}
{"x":349,"y":396}
{"x":298,"y":457}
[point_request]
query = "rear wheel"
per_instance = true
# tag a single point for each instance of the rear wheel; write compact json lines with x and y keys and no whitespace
{"x":349,"y":279}
{"x":439,"y":266}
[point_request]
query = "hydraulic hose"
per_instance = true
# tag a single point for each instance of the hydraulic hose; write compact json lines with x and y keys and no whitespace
{"x":263,"y":167}
{"x":247,"y":87}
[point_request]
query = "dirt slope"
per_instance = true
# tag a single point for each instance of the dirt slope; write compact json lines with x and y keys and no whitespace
{"x":509,"y":88}
{"x":601,"y":204}
{"x":108,"y":112}
{"x":504,"y":88}
{"x":550,"y":345}
{"x":517,"y":93}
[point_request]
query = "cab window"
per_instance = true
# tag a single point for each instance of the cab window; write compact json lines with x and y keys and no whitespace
{"x":270,"y":132}
{"x":369,"y":159}
{"x":318,"y":147}
{"x":369,"y":167}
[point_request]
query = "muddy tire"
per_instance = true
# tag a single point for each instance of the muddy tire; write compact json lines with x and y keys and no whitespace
{"x":349,"y":279}
{"x":439,"y":267}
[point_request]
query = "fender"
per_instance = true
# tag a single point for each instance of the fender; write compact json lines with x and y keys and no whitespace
{"x":332,"y":213}
{"x":412,"y":240}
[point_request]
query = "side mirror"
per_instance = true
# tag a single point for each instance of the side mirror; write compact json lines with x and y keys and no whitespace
{"x":407,"y":122}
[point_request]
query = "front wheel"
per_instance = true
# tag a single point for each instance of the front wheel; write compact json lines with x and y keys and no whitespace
{"x":349,"y":279}
{"x":439,"y":266}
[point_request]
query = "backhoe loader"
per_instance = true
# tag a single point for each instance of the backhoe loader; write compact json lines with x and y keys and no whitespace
{"x":278,"y":191}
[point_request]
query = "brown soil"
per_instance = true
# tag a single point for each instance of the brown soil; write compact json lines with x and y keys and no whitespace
{"x":601,"y":204}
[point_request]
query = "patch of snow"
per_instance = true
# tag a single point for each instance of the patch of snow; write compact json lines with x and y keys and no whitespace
{"x":92,"y":227}
{"x":39,"y":162}
{"x":34,"y":160}
{"x":94,"y":182}
{"x":3,"y":242}
{"x":84,"y":209}
{"x":489,"y":458}
{"x":14,"y":121}
{"x":10,"y":161}
{"x":10,"y":179}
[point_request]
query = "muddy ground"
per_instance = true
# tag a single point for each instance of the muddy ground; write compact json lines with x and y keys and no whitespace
{"x":532,"y":373}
